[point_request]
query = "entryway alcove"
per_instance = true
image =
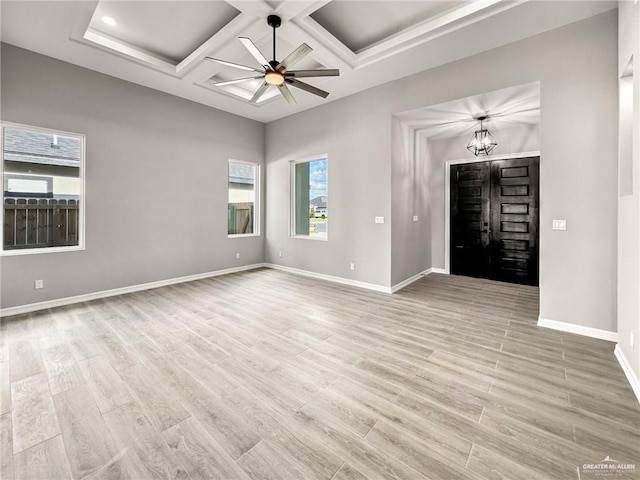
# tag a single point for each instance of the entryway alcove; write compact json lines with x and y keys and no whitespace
{"x":439,"y":135}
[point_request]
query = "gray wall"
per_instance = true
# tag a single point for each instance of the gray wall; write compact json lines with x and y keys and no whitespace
{"x":148,"y":146}
{"x":576,"y":66}
{"x":438,"y":152}
{"x":359,"y":188}
{"x":156,"y":180}
{"x":629,"y":204}
{"x":410,"y":251}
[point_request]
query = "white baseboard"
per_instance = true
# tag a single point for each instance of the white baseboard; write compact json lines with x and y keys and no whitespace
{"x":410,"y":280}
{"x":628,"y":371}
{"x":578,"y":329}
{"x":355,"y":283}
{"x":439,"y":270}
{"x":33,"y":307}
{"x":330,"y":278}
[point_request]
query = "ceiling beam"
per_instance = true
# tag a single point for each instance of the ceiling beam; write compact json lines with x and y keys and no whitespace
{"x":326,"y":48}
{"x":227,"y":34}
{"x":434,"y":27}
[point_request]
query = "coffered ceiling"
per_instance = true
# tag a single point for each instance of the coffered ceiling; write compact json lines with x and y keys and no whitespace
{"x":162,"y":44}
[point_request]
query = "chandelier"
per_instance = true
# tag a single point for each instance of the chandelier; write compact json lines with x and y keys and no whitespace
{"x":482,"y":143}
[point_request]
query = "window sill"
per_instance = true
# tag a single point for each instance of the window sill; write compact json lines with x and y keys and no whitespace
{"x":243,"y":235}
{"x":38,"y":251}
{"x":309,"y":237}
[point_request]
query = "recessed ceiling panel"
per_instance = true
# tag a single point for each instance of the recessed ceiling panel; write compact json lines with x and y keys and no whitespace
{"x":171,"y":30}
{"x":361,"y":24}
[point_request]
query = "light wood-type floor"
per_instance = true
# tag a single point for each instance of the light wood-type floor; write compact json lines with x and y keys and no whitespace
{"x":266,"y":375}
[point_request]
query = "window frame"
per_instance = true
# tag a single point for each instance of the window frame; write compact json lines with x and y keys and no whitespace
{"x":82,"y":193}
{"x":292,"y":197}
{"x":256,"y":199}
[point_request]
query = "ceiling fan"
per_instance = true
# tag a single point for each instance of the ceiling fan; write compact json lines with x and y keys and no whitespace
{"x":276,"y":73}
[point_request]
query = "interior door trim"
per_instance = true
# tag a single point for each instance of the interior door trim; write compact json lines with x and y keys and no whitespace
{"x":447,"y":194}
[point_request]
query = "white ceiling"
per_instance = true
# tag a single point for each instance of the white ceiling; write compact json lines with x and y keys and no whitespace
{"x":162,"y":44}
{"x":505,"y":108}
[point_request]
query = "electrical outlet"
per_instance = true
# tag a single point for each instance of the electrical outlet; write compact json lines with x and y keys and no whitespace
{"x":280,"y":254}
{"x":415,"y":218}
{"x":559,"y":225}
{"x":237,"y":255}
{"x":379,"y":219}
{"x":38,"y":284}
{"x":352,"y":266}
{"x":631,"y":340}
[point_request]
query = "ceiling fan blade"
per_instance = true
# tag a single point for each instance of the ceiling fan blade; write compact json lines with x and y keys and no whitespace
{"x":307,"y":88}
{"x":328,"y":72}
{"x":234,"y":65}
{"x":295,"y":56}
{"x":253,"y":50}
{"x":237,"y":80}
{"x":286,"y":93}
{"x":256,"y":96}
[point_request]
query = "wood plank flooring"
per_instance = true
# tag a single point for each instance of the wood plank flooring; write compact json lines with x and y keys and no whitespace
{"x":266,"y":375}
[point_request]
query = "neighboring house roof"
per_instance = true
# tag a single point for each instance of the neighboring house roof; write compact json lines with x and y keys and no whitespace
{"x":38,"y":147}
{"x":241,"y":173}
{"x":319,"y":202}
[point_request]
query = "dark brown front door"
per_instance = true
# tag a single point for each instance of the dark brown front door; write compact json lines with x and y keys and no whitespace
{"x":494,"y":220}
{"x":470,"y":196}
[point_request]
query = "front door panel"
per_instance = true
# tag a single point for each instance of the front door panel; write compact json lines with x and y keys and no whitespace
{"x":494,"y":220}
{"x":470,"y":194}
{"x":514,"y":220}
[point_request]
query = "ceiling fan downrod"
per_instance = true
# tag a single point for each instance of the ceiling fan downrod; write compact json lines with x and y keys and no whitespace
{"x":274,"y":21}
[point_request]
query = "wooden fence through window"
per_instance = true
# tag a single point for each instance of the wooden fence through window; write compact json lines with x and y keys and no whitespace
{"x":240,"y":218}
{"x":40,"y":222}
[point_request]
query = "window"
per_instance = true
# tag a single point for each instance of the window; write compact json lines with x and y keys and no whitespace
{"x":42,"y":176}
{"x":243,"y":198}
{"x":310,"y":209}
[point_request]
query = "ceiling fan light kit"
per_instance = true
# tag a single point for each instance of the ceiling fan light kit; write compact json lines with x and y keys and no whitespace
{"x":274,"y":78}
{"x":482,"y":142}
{"x":275,"y":73}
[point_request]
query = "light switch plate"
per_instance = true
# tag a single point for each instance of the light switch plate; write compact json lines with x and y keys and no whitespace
{"x":415,"y":218}
{"x":559,"y":225}
{"x":379,"y":219}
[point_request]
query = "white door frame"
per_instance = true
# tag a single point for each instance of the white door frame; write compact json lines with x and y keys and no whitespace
{"x":447,"y":194}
